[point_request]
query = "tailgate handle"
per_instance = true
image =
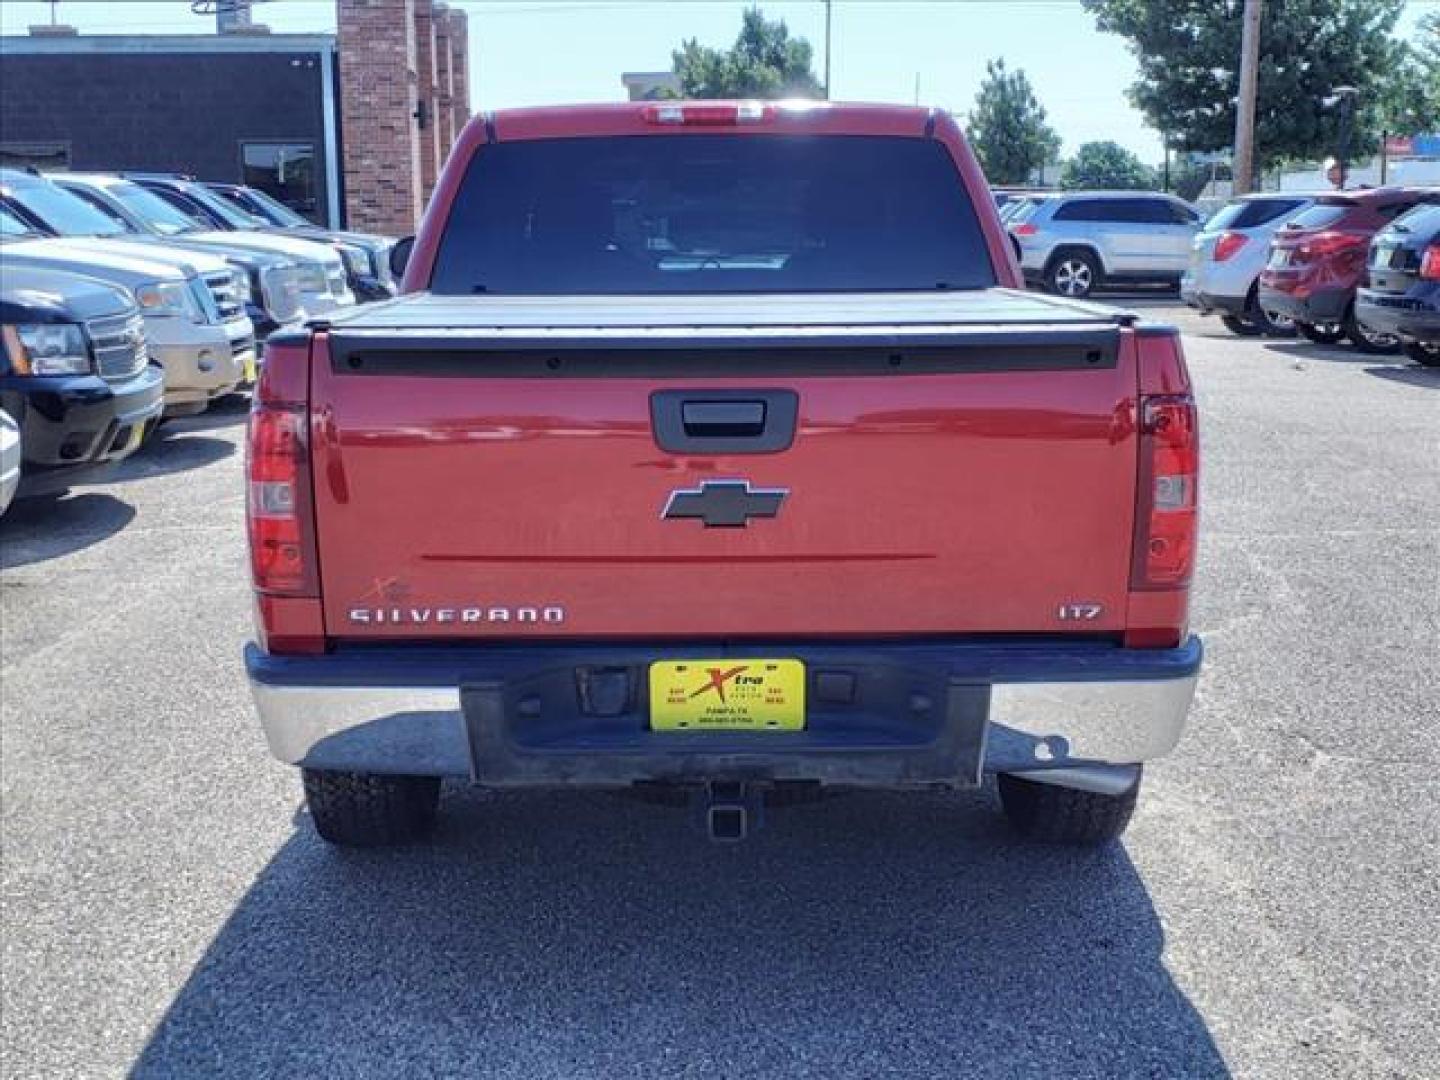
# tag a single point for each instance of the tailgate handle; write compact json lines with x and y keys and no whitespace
{"x":727,"y":419}
{"x":701,"y":420}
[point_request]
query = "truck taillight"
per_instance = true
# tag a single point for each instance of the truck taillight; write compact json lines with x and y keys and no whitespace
{"x":710,"y":114}
{"x":1430,"y":263}
{"x":279,"y":510}
{"x":1168,"y":510}
{"x":1025,"y":230}
{"x":1228,"y":244}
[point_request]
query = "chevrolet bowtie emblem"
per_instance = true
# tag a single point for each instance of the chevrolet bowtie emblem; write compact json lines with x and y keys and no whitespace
{"x":724,"y":503}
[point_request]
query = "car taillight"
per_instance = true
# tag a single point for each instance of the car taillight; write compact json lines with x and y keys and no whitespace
{"x":1228,"y":244}
{"x":1331,"y":243}
{"x":1168,"y":510}
{"x":714,"y":114}
{"x":279,"y":509}
{"x":1430,"y":263}
{"x":1025,"y":230}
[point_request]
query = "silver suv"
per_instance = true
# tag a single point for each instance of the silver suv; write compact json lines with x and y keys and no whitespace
{"x":1074,"y":242}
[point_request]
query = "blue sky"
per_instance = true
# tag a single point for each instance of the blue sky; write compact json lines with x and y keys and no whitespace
{"x":551,"y":51}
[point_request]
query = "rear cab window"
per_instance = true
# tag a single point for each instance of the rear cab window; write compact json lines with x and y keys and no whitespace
{"x":660,"y":214}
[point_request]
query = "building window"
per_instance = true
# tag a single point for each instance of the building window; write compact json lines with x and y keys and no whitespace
{"x":45,"y":156}
{"x":284,"y":170}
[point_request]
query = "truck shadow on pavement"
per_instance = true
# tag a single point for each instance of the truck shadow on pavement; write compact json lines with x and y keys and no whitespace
{"x":588,"y":935}
{"x":34,"y":530}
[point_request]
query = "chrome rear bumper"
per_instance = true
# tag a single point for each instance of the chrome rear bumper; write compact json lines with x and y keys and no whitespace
{"x":491,"y":714}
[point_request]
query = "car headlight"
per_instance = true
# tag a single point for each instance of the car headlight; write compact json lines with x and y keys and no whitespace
{"x":382,"y":263}
{"x":249,"y":283}
{"x":169,"y":298}
{"x":312,"y":278}
{"x":47,"y":349}
{"x":357,"y":259}
{"x":281,"y":288}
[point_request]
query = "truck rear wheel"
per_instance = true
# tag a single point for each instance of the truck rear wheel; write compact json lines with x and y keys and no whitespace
{"x":1061,"y":815}
{"x":370,"y":809}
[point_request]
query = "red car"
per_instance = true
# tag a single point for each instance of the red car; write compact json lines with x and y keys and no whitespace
{"x":1317,"y":261}
{"x":717,"y":446}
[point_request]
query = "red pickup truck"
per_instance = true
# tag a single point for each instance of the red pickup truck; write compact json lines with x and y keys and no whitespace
{"x":714,"y":447}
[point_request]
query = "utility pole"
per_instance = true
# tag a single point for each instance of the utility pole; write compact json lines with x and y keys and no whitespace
{"x":1345,"y":96}
{"x":1242,"y":169}
{"x":827,"y":50}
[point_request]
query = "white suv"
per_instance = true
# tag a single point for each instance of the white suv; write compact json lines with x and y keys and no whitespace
{"x":1071,"y":243}
{"x":1228,"y":255}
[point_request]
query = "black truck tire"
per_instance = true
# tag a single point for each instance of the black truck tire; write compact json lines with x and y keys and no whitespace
{"x":370,"y":809}
{"x":1060,"y":815}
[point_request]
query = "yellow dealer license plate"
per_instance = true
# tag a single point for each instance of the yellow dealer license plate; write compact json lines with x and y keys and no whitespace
{"x":727,"y":695}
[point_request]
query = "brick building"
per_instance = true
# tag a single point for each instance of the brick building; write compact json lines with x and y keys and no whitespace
{"x":350,"y":129}
{"x":404,"y":96}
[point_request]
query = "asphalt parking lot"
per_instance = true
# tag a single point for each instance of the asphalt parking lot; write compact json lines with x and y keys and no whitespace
{"x":1272,"y":912}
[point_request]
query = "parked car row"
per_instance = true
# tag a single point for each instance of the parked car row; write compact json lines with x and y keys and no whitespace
{"x":130,"y":298}
{"x":1361,"y":266}
{"x":1336,"y":266}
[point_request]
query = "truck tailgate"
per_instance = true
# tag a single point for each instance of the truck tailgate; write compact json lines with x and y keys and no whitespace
{"x":949,"y":466}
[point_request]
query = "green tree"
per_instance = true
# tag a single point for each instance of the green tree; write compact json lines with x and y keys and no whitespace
{"x":1107,"y":165}
{"x":1007,"y":127}
{"x":1188,"y":53}
{"x":1410,"y":100}
{"x":764,"y":62}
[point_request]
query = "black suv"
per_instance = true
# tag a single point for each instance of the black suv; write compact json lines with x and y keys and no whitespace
{"x":75,"y":374}
{"x":1402,"y":293}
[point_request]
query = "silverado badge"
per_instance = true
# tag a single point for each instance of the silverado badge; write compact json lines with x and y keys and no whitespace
{"x":724,"y":503}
